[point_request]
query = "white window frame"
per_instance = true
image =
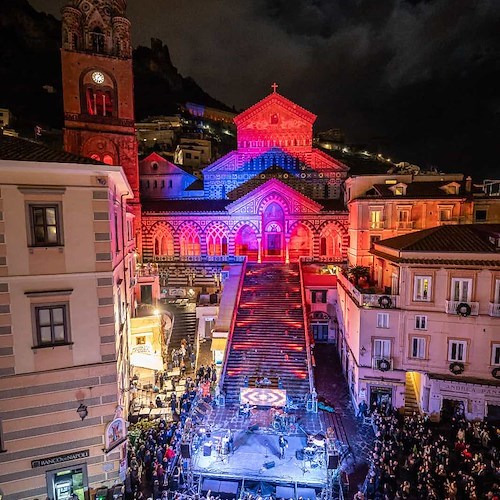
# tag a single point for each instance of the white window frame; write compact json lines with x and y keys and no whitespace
{"x":404,"y":215}
{"x":418,"y":347}
{"x":376,"y":218}
{"x":382,"y":348}
{"x":448,"y":209}
{"x":495,"y":353}
{"x":457,"y":345}
{"x":458,"y":287}
{"x":382,"y":320}
{"x":421,"y":322}
{"x":496,"y":297}
{"x":418,"y":288}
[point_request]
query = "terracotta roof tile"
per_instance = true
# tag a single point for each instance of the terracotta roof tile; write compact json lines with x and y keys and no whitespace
{"x":185,"y":205}
{"x":18,"y":149}
{"x":467,"y":238}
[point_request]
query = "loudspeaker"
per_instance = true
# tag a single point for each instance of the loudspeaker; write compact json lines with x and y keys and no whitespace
{"x":185,"y":450}
{"x":333,"y":460}
{"x":299,"y":454}
{"x":253,"y":428}
{"x":269,"y":465}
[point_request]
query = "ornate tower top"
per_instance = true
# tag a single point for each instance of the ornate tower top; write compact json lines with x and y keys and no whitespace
{"x":97,"y":26}
{"x":107,"y":7}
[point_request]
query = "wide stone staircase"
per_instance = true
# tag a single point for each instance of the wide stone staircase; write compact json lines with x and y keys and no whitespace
{"x":268,"y":339}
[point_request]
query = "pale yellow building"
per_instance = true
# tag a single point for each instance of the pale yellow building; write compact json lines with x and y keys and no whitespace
{"x":66,"y":289}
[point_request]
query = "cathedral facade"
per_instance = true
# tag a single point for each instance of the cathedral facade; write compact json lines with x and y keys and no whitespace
{"x":275,"y":198}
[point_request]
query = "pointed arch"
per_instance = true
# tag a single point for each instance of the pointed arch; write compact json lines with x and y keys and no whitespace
{"x":216,"y":235}
{"x":331,"y":241}
{"x":246,"y":243}
{"x":189,"y":240}
{"x":163,"y":241}
{"x":300,"y":242}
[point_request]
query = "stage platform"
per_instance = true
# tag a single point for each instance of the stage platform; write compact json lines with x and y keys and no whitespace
{"x":256,"y":457}
{"x":255,"y":453}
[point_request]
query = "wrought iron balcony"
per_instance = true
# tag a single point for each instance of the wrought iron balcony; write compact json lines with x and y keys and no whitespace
{"x":452,"y":305}
{"x":377,"y":224}
{"x":382,"y":363}
{"x":408,"y":224}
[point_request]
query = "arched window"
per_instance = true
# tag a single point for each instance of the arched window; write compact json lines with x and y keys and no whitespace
{"x":246,"y":243}
{"x":216,"y":240}
{"x":108,"y":160}
{"x":330,"y":242}
{"x":300,"y":242}
{"x":190,"y":241}
{"x":97,"y":40}
{"x":163,"y":242}
{"x":98,"y":94}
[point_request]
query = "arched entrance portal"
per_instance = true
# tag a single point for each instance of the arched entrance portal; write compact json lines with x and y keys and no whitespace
{"x":246,"y":243}
{"x":273,"y":224}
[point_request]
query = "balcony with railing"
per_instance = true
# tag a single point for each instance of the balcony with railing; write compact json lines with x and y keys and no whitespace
{"x":494,"y":309}
{"x":368,"y":297}
{"x":405,"y":224}
{"x":452,"y":307}
{"x":382,"y":363}
{"x":146,"y":270}
{"x":199,"y":258}
{"x":377,"y":224}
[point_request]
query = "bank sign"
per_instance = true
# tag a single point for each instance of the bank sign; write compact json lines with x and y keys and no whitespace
{"x":59,"y":459}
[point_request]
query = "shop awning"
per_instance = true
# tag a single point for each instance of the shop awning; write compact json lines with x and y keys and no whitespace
{"x":219,"y":344}
{"x":142,"y":360}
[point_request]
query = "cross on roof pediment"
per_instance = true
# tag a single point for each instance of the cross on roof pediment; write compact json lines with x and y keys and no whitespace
{"x":274,"y":102}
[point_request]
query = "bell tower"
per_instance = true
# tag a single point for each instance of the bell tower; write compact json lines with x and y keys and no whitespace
{"x":98,"y":87}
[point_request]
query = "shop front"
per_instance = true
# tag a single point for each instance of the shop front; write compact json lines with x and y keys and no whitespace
{"x":380,"y":393}
{"x":69,"y":477}
{"x":476,"y":401}
{"x":218,"y":348}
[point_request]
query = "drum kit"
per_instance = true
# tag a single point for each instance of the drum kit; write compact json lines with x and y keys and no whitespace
{"x":314,"y":451}
{"x":283,"y":422}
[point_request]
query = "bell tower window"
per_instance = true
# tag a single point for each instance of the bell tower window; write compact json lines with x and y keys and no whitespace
{"x":99,"y":102}
{"x":99,"y":94}
{"x":97,"y":40}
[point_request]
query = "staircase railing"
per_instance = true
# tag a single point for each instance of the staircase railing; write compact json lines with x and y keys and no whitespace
{"x":233,"y":321}
{"x":306,"y":329}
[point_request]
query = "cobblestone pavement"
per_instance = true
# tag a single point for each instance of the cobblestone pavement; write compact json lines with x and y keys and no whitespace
{"x":331,"y":385}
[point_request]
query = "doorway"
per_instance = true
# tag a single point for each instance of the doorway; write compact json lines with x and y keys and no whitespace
{"x":273,"y":224}
{"x":380,"y":397}
{"x":147,"y":294}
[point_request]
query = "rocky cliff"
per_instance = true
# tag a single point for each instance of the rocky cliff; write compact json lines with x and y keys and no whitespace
{"x":30,"y":72}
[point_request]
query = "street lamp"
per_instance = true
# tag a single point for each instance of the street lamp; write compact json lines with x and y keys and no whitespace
{"x":82,"y":411}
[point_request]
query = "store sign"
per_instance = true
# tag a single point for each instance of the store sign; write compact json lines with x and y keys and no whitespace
{"x":59,"y":459}
{"x":116,"y":433}
{"x":465,"y":388}
{"x":177,"y":292}
{"x":142,"y":349}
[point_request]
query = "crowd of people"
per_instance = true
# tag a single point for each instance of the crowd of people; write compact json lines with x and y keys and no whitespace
{"x":416,"y":459}
{"x":155,"y":453}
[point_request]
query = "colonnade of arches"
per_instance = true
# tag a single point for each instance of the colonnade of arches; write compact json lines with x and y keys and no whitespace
{"x":269,"y":242}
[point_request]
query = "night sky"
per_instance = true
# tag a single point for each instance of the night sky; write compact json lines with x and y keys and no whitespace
{"x":419,"y":80}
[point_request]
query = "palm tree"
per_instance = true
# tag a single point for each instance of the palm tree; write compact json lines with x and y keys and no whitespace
{"x":357,"y":272}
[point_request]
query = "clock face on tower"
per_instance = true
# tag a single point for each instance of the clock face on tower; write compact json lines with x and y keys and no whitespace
{"x":98,"y":77}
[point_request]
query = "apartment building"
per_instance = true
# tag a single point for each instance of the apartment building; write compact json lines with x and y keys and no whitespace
{"x":432,"y":342}
{"x":66,"y":269}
